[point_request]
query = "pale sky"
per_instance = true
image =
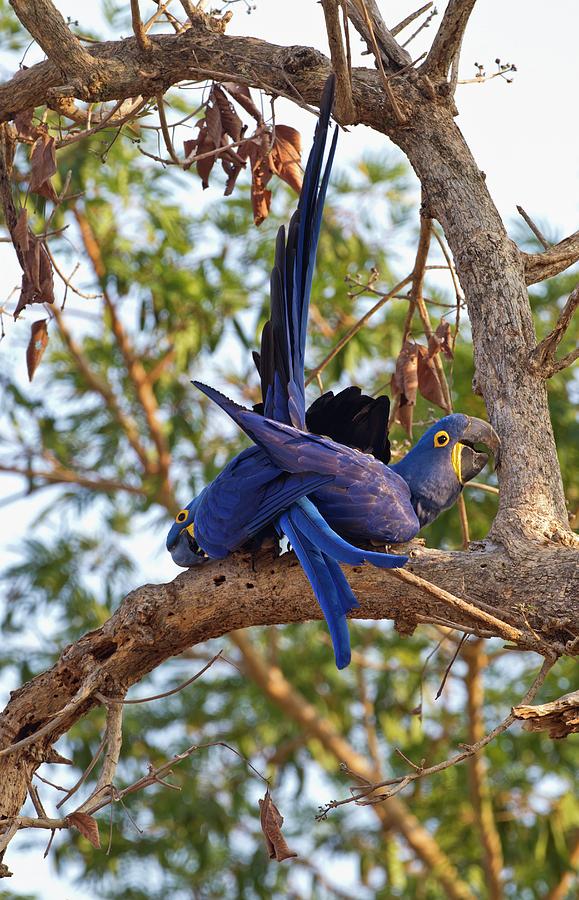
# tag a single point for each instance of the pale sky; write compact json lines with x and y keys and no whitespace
{"x":524,"y":135}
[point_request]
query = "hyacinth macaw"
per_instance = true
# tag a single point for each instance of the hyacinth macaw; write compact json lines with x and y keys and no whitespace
{"x":321,"y":477}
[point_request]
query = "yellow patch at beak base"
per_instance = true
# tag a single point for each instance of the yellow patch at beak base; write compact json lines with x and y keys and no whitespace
{"x":455,"y":460}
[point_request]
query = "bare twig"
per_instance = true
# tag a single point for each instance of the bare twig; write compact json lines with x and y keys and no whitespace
{"x":165,"y":131}
{"x":425,"y":24}
{"x":448,"y":669}
{"x":368,"y":22}
{"x":369,"y":794}
{"x":542,"y":359}
{"x":538,"y":234}
{"x":398,"y":114}
{"x":109,"y":119}
{"x":356,"y":328}
{"x":113,"y":740}
{"x":463,"y":516}
{"x":175,"y":690}
{"x":478,"y":485}
{"x":409,"y":19}
{"x":78,"y":784}
{"x":509,"y":632}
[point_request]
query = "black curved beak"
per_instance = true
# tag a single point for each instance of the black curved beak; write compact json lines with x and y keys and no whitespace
{"x":471,"y":463}
{"x":478,"y":432}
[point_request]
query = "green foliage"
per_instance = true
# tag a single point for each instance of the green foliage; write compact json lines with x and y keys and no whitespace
{"x":188,"y":279}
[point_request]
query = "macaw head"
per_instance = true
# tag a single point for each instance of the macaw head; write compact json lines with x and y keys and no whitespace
{"x":443,"y":460}
{"x":181,"y":542}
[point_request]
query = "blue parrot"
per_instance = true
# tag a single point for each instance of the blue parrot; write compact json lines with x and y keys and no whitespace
{"x":321,"y":477}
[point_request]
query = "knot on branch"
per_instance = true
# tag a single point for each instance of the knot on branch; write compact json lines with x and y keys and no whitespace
{"x":297,"y":60}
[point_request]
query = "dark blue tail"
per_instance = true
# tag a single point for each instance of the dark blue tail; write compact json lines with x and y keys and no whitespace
{"x":329,"y":584}
{"x":283,"y":341}
{"x":319,"y":549}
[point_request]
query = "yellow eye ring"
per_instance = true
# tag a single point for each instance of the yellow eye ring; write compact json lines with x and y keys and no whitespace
{"x":182,"y":516}
{"x":441,"y":438}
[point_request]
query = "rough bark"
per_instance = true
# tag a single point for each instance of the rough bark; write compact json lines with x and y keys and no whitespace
{"x":156,"y":622}
{"x":525,"y":576}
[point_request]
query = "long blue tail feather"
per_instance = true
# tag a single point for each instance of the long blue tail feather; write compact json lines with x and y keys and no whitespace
{"x":321,"y":577}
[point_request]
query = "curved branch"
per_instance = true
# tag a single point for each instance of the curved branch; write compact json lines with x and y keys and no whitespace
{"x":542,"y":359}
{"x":539,"y":593}
{"x":540,"y":266}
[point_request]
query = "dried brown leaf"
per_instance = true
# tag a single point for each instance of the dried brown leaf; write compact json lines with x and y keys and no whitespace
{"x":188,"y":148}
{"x":271,"y":821}
{"x":258,"y":149}
{"x":286,"y":155}
{"x":37,"y":277}
{"x":23,"y":123}
{"x":210,"y":138}
{"x":242,"y":94}
{"x":87,"y":826}
{"x":405,"y":414}
{"x":36,"y":346}
{"x":230,"y":121}
{"x":43,"y":166}
{"x":441,"y":340}
{"x":428,"y":380}
{"x":407,"y":371}
{"x":405,"y":384}
{"x":21,"y":232}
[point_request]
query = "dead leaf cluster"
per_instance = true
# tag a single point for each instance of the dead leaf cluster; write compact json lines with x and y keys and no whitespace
{"x":416,"y":373}
{"x":270,"y":151}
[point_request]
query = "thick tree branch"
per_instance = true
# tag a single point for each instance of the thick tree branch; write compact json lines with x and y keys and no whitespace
{"x":542,"y":359}
{"x":50,"y":31}
{"x":158,"y":621}
{"x":447,"y":41}
{"x":540,"y":266}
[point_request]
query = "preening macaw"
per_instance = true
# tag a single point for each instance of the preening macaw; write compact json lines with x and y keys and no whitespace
{"x":321,"y":477}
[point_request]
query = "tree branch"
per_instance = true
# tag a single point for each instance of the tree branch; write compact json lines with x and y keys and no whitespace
{"x":368,"y":22}
{"x":50,"y":31}
{"x":542,"y":359}
{"x":155,"y":622}
{"x":481,"y":793}
{"x":540,"y":266}
{"x":393,"y":816}
{"x":447,"y":41}
{"x":344,"y":102}
{"x":143,"y":40}
{"x":409,"y":19}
